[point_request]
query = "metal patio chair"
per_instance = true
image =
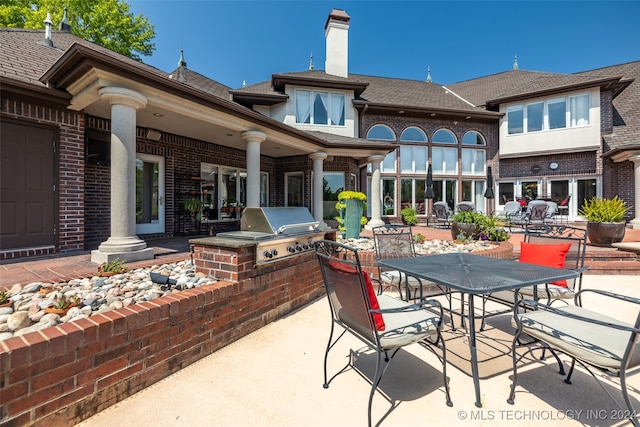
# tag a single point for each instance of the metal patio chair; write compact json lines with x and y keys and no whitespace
{"x":535,"y":215}
{"x":465,"y":207}
{"x":591,"y":339}
{"x":383,"y":323}
{"x":443,"y":213}
{"x":396,"y":241}
{"x":553,"y":246}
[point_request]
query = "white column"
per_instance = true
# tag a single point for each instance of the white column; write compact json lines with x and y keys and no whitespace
{"x":635,"y":223}
{"x":123,"y":242}
{"x":318,"y":171}
{"x":375,"y":197}
{"x":253,"y":138}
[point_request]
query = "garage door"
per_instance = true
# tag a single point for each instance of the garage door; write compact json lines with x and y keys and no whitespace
{"x":27,"y":215}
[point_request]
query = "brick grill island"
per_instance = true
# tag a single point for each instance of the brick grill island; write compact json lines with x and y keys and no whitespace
{"x":64,"y":374}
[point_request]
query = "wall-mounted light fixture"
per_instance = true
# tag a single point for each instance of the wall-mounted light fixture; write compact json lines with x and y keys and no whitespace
{"x":154,"y":134}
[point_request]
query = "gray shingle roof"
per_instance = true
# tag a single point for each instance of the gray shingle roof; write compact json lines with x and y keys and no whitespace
{"x":205,"y":84}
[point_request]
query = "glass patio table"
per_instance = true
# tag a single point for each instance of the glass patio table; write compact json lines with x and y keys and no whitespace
{"x":476,"y":275}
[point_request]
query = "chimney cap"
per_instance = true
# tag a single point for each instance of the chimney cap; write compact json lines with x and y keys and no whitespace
{"x":337,"y":16}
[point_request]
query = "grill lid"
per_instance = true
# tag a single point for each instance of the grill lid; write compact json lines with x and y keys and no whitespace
{"x":278,"y":221}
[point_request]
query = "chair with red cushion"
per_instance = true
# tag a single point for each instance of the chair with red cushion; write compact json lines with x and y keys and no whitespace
{"x":559,"y":246}
{"x":383,"y":323}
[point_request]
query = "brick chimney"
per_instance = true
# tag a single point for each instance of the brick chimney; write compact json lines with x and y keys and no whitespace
{"x":336,"y":33}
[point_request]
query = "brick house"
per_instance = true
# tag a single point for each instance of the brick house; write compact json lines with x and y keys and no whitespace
{"x":101,"y":152}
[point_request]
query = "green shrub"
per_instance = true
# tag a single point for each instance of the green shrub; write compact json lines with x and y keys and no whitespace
{"x":409,"y":216}
{"x":604,"y":210}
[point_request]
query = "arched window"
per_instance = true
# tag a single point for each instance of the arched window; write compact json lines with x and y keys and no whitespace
{"x":473,"y":138}
{"x":444,"y":136}
{"x":413,"y":134}
{"x":381,"y":132}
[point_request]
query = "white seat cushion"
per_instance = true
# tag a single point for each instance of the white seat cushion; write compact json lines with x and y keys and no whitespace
{"x":406,"y":327}
{"x":396,"y":278}
{"x":595,"y":344}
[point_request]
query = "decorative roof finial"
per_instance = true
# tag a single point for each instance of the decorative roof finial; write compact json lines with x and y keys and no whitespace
{"x":515,"y":62}
{"x":311,"y":67}
{"x":429,"y":80}
{"x":181,"y":61}
{"x":244,"y":83}
{"x":48,"y":25}
{"x":64,"y":24}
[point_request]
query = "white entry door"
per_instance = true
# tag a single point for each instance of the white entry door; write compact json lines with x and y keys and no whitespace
{"x":149,"y":194}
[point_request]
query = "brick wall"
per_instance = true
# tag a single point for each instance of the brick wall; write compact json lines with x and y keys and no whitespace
{"x":62,"y":375}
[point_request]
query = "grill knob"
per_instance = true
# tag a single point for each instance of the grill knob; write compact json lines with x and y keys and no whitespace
{"x":267,"y":254}
{"x":298,"y":248}
{"x":291,"y":249}
{"x":305,"y":246}
{"x":274,"y":252}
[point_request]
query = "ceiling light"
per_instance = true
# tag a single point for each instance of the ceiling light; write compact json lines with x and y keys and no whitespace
{"x":158,"y":115}
{"x":433,"y":114}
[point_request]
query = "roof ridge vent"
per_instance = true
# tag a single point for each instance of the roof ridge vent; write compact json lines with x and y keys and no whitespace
{"x":48,"y":25}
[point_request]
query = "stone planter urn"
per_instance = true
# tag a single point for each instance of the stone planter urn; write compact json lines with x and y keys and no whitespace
{"x":352,"y":216}
{"x":468,"y":230}
{"x":605,"y":233}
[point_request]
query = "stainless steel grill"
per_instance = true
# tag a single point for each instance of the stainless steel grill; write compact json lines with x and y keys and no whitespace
{"x":278,"y":232}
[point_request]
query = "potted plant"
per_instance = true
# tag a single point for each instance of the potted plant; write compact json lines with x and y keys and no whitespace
{"x":492,"y":229}
{"x":112,"y":267}
{"x":194,"y":206}
{"x":351,"y":205}
{"x":467,"y":223}
{"x":409,"y":216}
{"x":605,"y":219}
{"x":61,"y":305}
{"x":5,"y":298}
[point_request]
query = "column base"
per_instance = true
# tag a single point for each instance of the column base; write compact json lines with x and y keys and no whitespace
{"x":635,"y":223}
{"x":126,"y":249}
{"x":373,"y":223}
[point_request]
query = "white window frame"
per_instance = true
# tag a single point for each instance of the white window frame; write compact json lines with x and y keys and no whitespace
{"x":445,"y":167}
{"x":475,"y":154}
{"x":306,"y":106}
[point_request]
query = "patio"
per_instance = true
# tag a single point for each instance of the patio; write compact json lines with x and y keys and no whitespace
{"x":274,"y":377}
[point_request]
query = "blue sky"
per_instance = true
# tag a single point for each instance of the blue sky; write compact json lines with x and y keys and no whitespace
{"x":236,"y":41}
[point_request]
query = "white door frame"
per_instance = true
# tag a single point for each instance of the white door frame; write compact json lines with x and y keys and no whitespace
{"x":156,"y":227}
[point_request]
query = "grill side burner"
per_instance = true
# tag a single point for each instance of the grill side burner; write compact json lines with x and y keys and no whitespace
{"x":278,"y":232}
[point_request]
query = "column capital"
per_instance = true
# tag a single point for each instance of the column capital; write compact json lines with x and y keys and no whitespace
{"x":635,"y":158}
{"x":253,"y":136}
{"x":376,"y":158}
{"x":115,"y":95}
{"x":318,"y":155}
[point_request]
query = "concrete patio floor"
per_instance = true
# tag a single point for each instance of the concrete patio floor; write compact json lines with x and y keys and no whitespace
{"x":273,"y":377}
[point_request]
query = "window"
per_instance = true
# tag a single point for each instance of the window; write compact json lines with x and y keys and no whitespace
{"x":445,"y":191}
{"x":264,"y":189}
{"x":515,"y":119}
{"x":505,"y":192}
{"x":413,"y":159}
{"x":381,"y":132}
{"x":557,"y":113}
{"x":473,"y":161}
{"x":412,"y":194}
{"x":332,"y":185}
{"x":473,"y":138}
{"x":389,"y":191}
{"x":320,"y":108}
{"x":413,"y":134}
{"x":444,"y":160}
{"x":535,"y":116}
{"x":579,"y":110}
{"x":444,"y":136}
{"x":294,"y":189}
{"x":389,"y":163}
{"x":473,"y":191}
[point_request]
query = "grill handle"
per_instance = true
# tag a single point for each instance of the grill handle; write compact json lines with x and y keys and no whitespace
{"x":283,"y":228}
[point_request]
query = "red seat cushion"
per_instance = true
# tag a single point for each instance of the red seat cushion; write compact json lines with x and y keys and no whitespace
{"x":373,"y":299}
{"x":522,"y":202}
{"x":564,"y":202}
{"x":545,"y":255}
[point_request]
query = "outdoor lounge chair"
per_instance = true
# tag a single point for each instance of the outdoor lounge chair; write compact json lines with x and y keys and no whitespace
{"x":591,"y":339}
{"x":385,"y":324}
{"x":442,"y":212}
{"x":535,"y":215}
